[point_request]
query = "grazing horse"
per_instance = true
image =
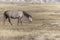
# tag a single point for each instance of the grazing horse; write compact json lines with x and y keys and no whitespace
{"x":16,"y":14}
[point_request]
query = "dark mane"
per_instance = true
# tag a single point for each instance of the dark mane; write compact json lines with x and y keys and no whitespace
{"x":26,"y":14}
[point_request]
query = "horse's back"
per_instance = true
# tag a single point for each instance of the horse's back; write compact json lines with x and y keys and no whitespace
{"x":15,"y":13}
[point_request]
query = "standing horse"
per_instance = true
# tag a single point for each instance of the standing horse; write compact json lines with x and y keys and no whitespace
{"x":8,"y":14}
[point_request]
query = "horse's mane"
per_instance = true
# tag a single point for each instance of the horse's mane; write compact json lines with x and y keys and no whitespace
{"x":26,"y":14}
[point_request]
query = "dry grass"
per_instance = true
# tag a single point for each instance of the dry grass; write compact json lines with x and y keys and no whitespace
{"x":45,"y":25}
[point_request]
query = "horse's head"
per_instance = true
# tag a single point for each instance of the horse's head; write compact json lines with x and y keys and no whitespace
{"x":30,"y":18}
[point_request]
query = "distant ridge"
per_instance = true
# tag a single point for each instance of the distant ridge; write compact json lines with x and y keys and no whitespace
{"x":30,"y":1}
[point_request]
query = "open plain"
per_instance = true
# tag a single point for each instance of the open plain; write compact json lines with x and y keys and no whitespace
{"x":45,"y":24}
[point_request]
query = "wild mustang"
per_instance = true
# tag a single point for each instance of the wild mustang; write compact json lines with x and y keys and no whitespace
{"x":8,"y":14}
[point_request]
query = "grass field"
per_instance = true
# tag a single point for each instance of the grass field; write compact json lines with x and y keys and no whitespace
{"x":45,"y":24}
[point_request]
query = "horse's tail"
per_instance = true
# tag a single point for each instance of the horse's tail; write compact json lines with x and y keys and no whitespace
{"x":28,"y":16}
{"x":5,"y":14}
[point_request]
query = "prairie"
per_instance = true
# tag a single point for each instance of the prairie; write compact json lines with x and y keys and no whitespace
{"x":45,"y":24}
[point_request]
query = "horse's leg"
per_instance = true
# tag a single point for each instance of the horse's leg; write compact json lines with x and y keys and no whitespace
{"x":9,"y":21}
{"x":18,"y":21}
{"x":4,"y":19}
{"x":21,"y":20}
